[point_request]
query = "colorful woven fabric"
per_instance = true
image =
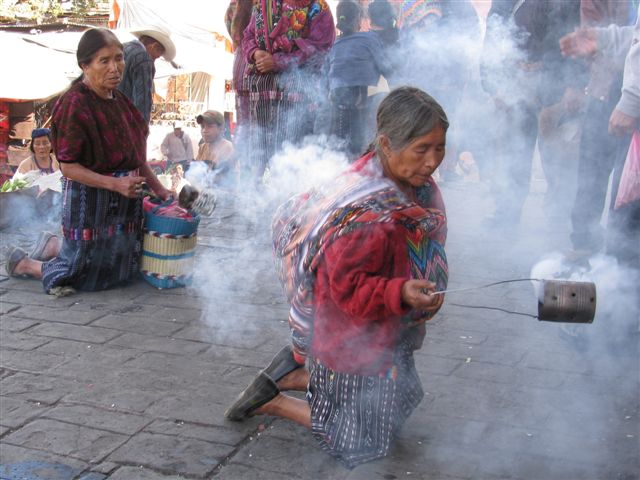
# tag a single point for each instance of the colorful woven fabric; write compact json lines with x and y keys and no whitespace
{"x":102,"y":239}
{"x":168,"y":248}
{"x":355,"y":417}
{"x":104,"y":135}
{"x":279,"y":111}
{"x":279,"y":22}
{"x":166,"y":209}
{"x":304,"y":226}
{"x":414,"y":11}
{"x":280,"y":104}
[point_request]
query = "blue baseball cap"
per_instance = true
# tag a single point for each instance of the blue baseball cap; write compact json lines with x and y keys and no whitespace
{"x":40,"y":132}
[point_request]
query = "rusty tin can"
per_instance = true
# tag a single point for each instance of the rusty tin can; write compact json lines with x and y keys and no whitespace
{"x":568,"y":302}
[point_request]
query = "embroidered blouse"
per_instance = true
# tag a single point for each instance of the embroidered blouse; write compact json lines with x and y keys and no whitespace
{"x":297,"y":31}
{"x":103,"y":135}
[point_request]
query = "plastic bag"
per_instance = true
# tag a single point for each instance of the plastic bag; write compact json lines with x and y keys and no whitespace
{"x":629,"y":188}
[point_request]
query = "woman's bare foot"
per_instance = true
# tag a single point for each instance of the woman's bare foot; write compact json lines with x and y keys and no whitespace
{"x":52,"y":248}
{"x":287,"y":407}
{"x":296,"y":380}
{"x":269,"y":407}
{"x":27,"y":266}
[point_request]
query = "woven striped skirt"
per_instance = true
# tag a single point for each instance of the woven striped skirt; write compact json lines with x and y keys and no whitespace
{"x":242,"y":96}
{"x":355,"y":417}
{"x":279,"y":105}
{"x":102,"y":239}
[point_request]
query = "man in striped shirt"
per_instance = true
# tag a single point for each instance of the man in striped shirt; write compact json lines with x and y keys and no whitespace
{"x":139,"y":69}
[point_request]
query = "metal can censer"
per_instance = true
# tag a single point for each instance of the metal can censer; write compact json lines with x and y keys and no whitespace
{"x":568,"y":302}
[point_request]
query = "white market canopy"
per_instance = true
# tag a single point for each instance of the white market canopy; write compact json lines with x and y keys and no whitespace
{"x":196,"y":28}
{"x":40,"y":65}
{"x":33,"y":70}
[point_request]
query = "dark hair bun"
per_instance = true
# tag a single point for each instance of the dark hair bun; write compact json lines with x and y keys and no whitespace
{"x":349,"y":14}
{"x":382,"y":14}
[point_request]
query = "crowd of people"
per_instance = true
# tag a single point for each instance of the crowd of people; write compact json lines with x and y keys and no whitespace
{"x":517,"y":87}
{"x":361,"y":262}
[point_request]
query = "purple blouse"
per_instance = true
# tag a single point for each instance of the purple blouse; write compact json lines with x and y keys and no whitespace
{"x":103,"y":135}
{"x":316,"y":38}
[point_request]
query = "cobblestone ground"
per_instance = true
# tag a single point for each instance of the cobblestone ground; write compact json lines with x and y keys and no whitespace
{"x":132,"y":383}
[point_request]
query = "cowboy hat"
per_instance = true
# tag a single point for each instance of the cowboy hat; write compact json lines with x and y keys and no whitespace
{"x":159,"y":34}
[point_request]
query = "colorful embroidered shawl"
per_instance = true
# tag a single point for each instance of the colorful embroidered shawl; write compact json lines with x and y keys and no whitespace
{"x":279,"y":22}
{"x":305,"y":225}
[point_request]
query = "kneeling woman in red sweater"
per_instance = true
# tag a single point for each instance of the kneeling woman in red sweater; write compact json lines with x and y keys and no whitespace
{"x":360,"y":261}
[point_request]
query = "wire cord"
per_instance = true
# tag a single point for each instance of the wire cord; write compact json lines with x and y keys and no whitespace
{"x":494,"y":308}
{"x":454,"y":290}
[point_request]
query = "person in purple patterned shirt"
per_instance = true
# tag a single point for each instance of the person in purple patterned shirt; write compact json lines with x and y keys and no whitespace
{"x":284,"y":46}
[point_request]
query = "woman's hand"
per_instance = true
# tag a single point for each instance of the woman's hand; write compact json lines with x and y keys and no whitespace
{"x":264,"y":61}
{"x":153,"y":182}
{"x":621,"y":124}
{"x":581,"y":43}
{"x":130,"y":187}
{"x":418,"y":294}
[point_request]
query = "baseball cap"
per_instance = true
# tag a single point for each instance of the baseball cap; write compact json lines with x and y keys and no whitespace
{"x":40,"y":132}
{"x":210,"y":117}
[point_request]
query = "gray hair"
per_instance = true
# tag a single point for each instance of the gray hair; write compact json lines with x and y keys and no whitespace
{"x":405,"y":114}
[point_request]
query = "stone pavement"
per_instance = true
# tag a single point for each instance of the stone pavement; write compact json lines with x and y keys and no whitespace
{"x":132,"y":383}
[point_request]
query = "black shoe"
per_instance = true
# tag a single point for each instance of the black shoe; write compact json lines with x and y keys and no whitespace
{"x":282,"y":364}
{"x":261,"y":390}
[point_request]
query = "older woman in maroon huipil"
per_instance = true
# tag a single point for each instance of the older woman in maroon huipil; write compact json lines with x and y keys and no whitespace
{"x":99,"y":138}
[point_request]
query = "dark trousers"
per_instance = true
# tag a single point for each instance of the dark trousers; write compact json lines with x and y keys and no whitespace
{"x":349,"y":108}
{"x":623,"y":226}
{"x":514,"y":155}
{"x":596,"y":161}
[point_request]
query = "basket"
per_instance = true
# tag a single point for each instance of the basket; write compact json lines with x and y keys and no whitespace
{"x":168,"y":250}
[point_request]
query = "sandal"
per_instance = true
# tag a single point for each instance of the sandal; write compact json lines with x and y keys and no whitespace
{"x":40,"y":247}
{"x":14,"y":256}
{"x":260,"y":391}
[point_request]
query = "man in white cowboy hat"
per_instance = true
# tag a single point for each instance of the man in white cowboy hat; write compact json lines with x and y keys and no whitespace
{"x":139,"y":55}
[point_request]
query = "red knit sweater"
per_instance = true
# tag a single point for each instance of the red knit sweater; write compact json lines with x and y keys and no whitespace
{"x":358,"y":300}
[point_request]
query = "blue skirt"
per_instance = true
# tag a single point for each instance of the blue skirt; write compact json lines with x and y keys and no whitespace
{"x":102,"y":239}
